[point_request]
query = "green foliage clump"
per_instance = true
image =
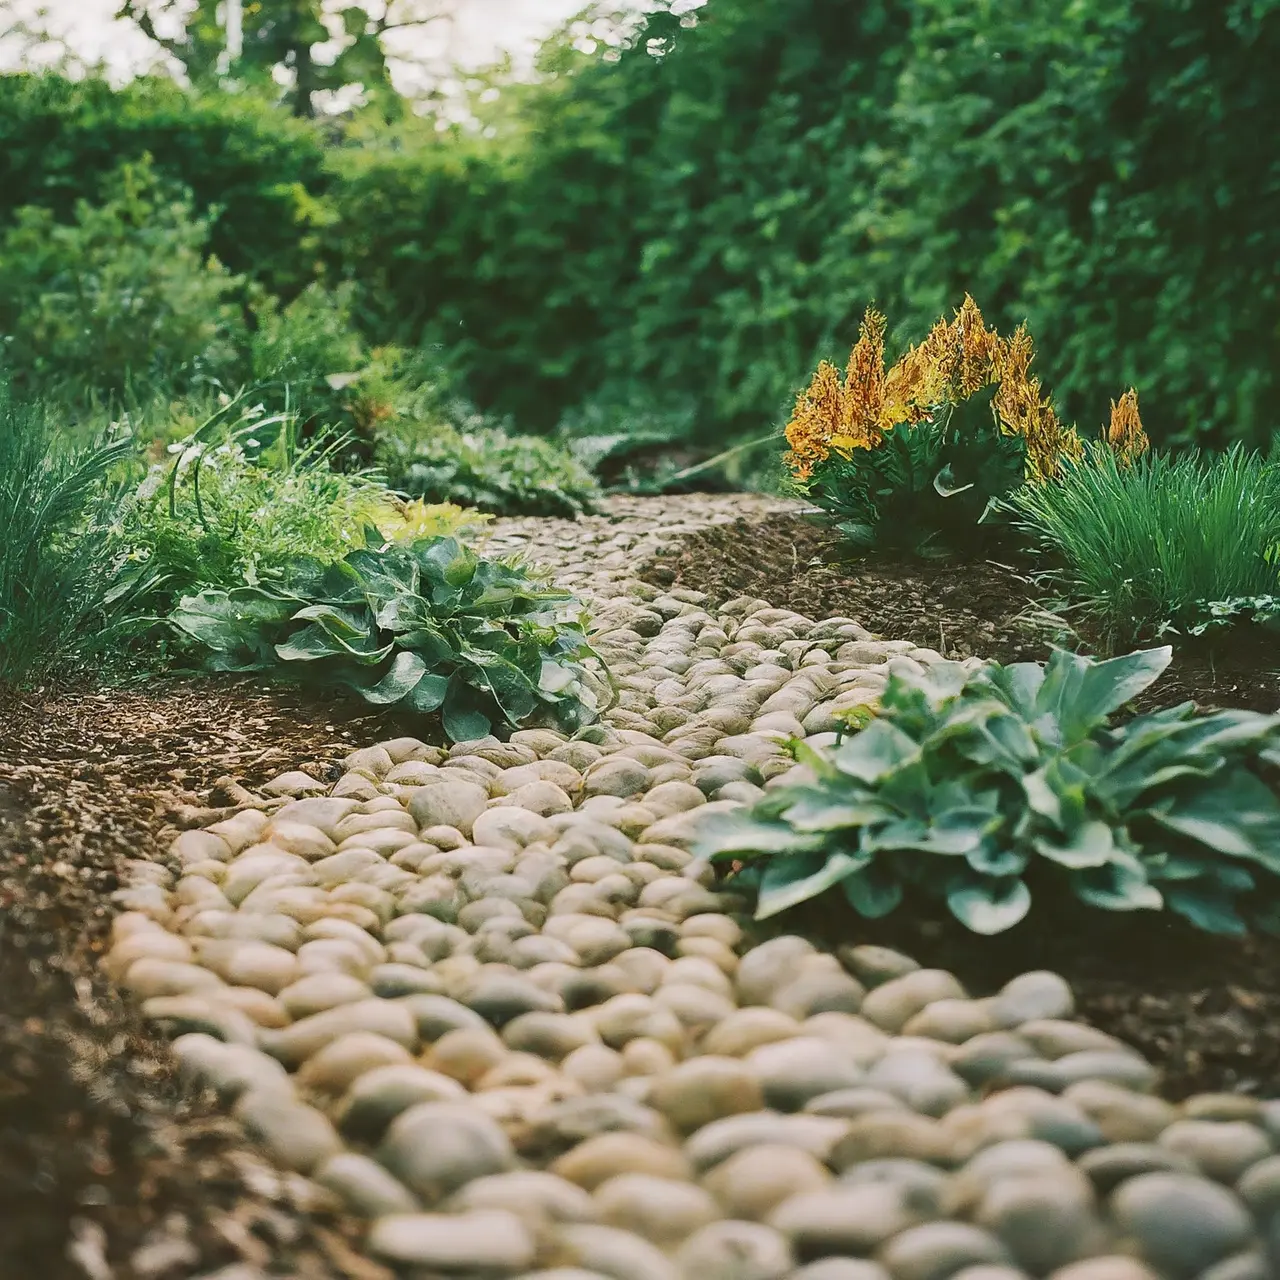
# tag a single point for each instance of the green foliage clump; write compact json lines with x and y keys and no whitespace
{"x":737,"y":184}
{"x":428,"y":626}
{"x":477,"y":464}
{"x":242,"y":497}
{"x":975,"y":785}
{"x":58,"y":555}
{"x":263,"y":173}
{"x":122,"y":298}
{"x":1183,"y":544}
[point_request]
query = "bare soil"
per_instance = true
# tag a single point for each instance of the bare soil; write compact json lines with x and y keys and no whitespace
{"x":961,"y":608}
{"x":109,"y":1168}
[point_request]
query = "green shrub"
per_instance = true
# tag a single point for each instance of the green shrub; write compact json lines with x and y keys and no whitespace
{"x":123,"y":298}
{"x":477,"y":464}
{"x":261,"y":171}
{"x":977,"y":784}
{"x":428,"y":626}
{"x":1167,"y":544}
{"x":241,"y":497}
{"x":307,"y":342}
{"x":58,"y":555}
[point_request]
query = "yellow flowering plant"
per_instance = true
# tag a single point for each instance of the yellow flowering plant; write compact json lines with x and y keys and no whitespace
{"x":916,"y":454}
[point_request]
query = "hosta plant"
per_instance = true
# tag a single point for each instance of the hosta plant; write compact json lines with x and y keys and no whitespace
{"x":915,"y":456}
{"x":428,"y":626}
{"x":979,"y":784}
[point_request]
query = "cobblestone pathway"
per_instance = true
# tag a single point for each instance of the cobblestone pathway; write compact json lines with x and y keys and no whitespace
{"x":485,"y":998}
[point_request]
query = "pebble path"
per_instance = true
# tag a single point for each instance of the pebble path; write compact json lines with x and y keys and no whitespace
{"x":484,"y":998}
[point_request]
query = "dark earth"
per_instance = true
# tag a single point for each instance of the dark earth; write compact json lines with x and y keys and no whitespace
{"x":960,"y":608}
{"x":110,"y":1169}
{"x":1205,"y":1010}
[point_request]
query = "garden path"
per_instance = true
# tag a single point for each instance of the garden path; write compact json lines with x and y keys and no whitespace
{"x":485,"y":999}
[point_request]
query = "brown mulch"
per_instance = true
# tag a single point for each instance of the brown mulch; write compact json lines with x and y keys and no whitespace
{"x":960,"y":608}
{"x":109,"y":1168}
{"x":1205,"y":1010}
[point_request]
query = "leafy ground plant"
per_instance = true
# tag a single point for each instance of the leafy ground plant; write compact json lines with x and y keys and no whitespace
{"x":1179,"y":544}
{"x":58,"y":556}
{"x":481,"y":465}
{"x":240,"y":498}
{"x":427,"y":627}
{"x":978,"y":783}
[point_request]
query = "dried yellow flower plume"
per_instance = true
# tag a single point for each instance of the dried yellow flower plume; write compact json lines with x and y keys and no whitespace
{"x":815,"y":420}
{"x":979,"y":348}
{"x":922,"y":379}
{"x":1023,"y":412}
{"x":862,"y":406}
{"x":1125,"y":434}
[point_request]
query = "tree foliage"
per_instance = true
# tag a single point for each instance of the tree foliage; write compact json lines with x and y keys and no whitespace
{"x":701,"y":216}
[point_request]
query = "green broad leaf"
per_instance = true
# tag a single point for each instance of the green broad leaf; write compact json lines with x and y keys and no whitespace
{"x":403,"y":613}
{"x":791,"y":879}
{"x":988,"y":906}
{"x":312,"y":644}
{"x":407,"y":670}
{"x":1017,"y":685}
{"x":1092,"y":844}
{"x":1238,"y":816}
{"x":1121,"y":885}
{"x":366,"y":652}
{"x":741,"y":832}
{"x":872,"y":892}
{"x":309,"y":580}
{"x":1206,"y":906}
{"x":464,"y":723}
{"x":511,"y":689}
{"x":428,"y":694}
{"x":445,"y":562}
{"x":953,"y":833}
{"x":1165,"y":867}
{"x":384,"y":575}
{"x":1081,"y":693}
{"x":879,"y":750}
{"x":858,"y":534}
{"x":431,"y":642}
{"x":987,"y":734}
{"x":1042,"y":797}
{"x":825,"y":811}
{"x":555,"y":677}
{"x":992,"y":859}
{"x":339,"y":623}
{"x":222,"y":620}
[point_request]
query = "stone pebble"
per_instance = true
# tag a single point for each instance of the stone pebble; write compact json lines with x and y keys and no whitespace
{"x":486,"y":998}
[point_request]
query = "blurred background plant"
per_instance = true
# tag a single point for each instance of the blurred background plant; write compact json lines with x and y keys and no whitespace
{"x":60,"y":553}
{"x":702,"y":201}
{"x":513,"y":289}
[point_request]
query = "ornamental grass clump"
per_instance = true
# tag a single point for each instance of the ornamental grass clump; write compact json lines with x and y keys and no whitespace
{"x":59,"y":553}
{"x":985,"y":786}
{"x":1182,"y":545}
{"x":915,"y":455}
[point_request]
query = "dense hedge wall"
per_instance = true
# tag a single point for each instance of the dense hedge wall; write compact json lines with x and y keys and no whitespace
{"x":699,"y":226}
